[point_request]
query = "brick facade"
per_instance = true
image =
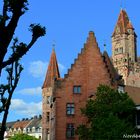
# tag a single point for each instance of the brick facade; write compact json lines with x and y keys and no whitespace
{"x":47,"y":93}
{"x":89,"y":70}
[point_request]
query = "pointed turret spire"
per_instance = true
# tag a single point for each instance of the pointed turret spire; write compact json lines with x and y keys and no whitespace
{"x":52,"y":72}
{"x":123,"y":23}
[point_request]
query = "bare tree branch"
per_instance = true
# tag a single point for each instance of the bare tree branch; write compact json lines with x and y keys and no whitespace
{"x":22,"y":49}
{"x":14,"y":72}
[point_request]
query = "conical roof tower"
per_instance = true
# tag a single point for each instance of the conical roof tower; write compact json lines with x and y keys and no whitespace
{"x":52,"y":72}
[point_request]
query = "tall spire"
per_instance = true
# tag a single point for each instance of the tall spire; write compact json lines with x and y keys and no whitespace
{"x":123,"y":23}
{"x":52,"y":72}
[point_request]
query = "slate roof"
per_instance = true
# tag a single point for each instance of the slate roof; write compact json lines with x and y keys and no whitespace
{"x":36,"y":122}
{"x":134,"y":93}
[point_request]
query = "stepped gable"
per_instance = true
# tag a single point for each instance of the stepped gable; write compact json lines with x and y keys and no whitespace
{"x":85,"y":75}
{"x":91,"y":41}
{"x":123,"y":23}
{"x":52,"y":72}
{"x":91,"y":59}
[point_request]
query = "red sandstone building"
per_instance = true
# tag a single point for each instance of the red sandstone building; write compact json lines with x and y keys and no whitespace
{"x":64,"y":97}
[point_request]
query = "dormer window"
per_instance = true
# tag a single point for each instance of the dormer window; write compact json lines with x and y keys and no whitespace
{"x":130,"y":31}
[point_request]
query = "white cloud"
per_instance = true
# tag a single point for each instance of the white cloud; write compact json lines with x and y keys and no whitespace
{"x":23,"y":108}
{"x":61,"y":67}
{"x":31,"y":91}
{"x":38,"y":68}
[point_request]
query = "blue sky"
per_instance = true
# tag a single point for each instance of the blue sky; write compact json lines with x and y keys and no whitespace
{"x":67,"y":23}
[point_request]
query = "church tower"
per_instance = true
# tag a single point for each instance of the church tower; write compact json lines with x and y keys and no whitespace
{"x":124,"y":51}
{"x":47,"y":92}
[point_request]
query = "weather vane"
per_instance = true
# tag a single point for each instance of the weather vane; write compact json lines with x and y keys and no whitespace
{"x":104,"y":47}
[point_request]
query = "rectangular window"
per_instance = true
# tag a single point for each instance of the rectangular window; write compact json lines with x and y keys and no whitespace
{"x":48,"y":99}
{"x":48,"y":116}
{"x":116,"y":51}
{"x":70,"y":130}
{"x":121,"y":50}
{"x":76,"y":89}
{"x":70,"y":109}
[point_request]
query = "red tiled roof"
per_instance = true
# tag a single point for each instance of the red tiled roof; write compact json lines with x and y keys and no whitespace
{"x":123,"y":22}
{"x":52,"y":72}
{"x":130,"y":26}
{"x":21,"y":124}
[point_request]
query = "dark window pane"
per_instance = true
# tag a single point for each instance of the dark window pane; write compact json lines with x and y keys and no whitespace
{"x":48,"y":116}
{"x":77,"y":89}
{"x":138,"y":117}
{"x":70,"y":131}
{"x":70,"y":109}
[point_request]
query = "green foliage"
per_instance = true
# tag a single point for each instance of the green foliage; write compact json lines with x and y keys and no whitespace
{"x":22,"y":137}
{"x":37,"y":30}
{"x":110,"y":116}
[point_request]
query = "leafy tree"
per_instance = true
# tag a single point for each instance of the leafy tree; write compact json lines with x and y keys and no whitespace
{"x":110,"y":116}
{"x":23,"y":137}
{"x":9,"y":17}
